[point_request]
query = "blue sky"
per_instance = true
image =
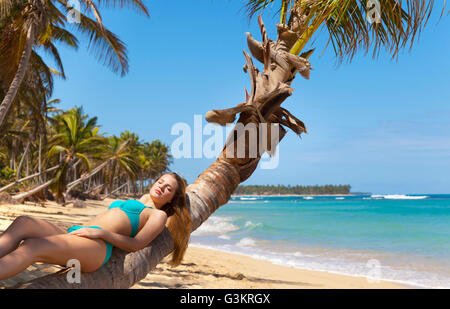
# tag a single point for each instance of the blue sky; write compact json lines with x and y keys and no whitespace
{"x":382,"y":126}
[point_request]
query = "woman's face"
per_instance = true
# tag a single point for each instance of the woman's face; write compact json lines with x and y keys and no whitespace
{"x":163,"y":190}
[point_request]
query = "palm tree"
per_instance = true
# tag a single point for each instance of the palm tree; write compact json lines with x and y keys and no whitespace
{"x":135,"y":146}
{"x":24,"y":138}
{"x":35,"y":19}
{"x":123,"y":162}
{"x":157,"y":160}
{"x":349,"y":31}
{"x":75,"y":140}
{"x":116,"y":156}
{"x":36,"y":87}
{"x":42,"y":22}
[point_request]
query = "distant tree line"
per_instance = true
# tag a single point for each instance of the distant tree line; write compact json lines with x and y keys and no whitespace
{"x":282,"y":189}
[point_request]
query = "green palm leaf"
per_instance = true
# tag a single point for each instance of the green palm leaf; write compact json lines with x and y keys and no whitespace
{"x":104,"y":44}
{"x":348,"y":27}
{"x":56,"y":149}
{"x":85,"y":159}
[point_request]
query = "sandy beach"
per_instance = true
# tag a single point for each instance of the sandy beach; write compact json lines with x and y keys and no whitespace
{"x":201,"y":268}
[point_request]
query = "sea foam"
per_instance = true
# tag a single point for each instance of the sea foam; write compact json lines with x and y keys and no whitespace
{"x":398,"y":197}
{"x":216,"y":226}
{"x":246,"y":242}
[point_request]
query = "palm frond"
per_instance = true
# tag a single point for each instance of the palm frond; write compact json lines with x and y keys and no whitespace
{"x":257,"y":6}
{"x":56,"y":149}
{"x":52,"y":50}
{"x":6,"y":6}
{"x":399,"y":24}
{"x":85,"y":159}
{"x":39,"y":74}
{"x":62,"y":35}
{"x":104,"y":44}
{"x":348,"y":27}
{"x":138,"y":5}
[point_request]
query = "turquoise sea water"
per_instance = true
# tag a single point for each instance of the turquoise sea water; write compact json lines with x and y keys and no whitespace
{"x":401,"y":238}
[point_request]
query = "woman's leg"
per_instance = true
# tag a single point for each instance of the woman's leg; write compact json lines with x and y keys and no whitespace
{"x":56,"y":249}
{"x":24,"y":227}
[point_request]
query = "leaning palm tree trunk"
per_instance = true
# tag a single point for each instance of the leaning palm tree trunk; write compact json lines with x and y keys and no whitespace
{"x":20,"y":197}
{"x":24,"y":155}
{"x":28,"y":177}
{"x":115,"y":190}
{"x":20,"y":74}
{"x":213,"y":188}
{"x":72,"y":185}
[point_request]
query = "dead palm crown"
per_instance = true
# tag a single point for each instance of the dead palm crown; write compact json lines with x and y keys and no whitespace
{"x":348,"y":29}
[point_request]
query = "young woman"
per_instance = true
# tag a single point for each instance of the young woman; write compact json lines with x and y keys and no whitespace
{"x":129,"y":225}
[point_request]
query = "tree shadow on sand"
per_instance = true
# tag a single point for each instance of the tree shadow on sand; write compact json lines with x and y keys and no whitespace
{"x":185,"y":274}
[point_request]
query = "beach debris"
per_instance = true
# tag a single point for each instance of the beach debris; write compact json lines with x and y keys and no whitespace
{"x":40,"y":197}
{"x":79,"y":204}
{"x":6,"y":198}
{"x":239,"y":276}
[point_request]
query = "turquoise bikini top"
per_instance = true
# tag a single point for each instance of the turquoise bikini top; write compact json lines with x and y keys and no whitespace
{"x":132,"y":208}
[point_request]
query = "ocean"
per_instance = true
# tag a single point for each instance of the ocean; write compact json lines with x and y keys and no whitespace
{"x":398,"y":238}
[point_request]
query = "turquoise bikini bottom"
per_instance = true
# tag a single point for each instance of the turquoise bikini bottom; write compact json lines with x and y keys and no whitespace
{"x":109,"y":246}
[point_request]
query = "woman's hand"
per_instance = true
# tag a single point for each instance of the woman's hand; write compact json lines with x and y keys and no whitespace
{"x":88,"y":232}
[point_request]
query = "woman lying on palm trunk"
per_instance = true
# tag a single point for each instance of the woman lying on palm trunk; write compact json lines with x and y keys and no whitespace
{"x":129,"y":225}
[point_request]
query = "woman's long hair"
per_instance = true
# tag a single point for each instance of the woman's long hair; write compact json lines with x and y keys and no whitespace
{"x":179,"y":219}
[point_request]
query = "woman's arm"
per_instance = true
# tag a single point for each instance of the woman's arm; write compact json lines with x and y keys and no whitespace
{"x":152,"y":228}
{"x":118,"y":240}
